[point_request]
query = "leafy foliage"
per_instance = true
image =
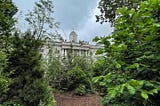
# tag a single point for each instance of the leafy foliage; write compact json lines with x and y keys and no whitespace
{"x":4,"y":80}
{"x":63,"y":73}
{"x":132,"y":57}
{"x":58,"y":68}
{"x":41,"y":20}
{"x":29,"y":86}
{"x":80,"y":90}
{"x":21,"y":74}
{"x":9,"y":103}
{"x":75,"y":77}
{"x":7,"y":11}
{"x":108,"y":8}
{"x":100,"y":66}
{"x":55,"y":73}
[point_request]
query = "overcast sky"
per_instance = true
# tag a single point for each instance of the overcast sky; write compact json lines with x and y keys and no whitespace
{"x":77,"y":15}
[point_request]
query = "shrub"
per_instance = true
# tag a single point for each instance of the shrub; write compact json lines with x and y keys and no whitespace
{"x":77,"y":79}
{"x":29,"y":85}
{"x":80,"y":90}
{"x":11,"y":104}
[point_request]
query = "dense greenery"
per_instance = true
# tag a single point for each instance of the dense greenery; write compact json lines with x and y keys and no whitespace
{"x":4,"y":80}
{"x":127,"y":73}
{"x":73,"y":73}
{"x":78,"y":81}
{"x":24,"y":64}
{"x":108,"y":9}
{"x":7,"y":11}
{"x":22,"y":77}
{"x":133,"y":57}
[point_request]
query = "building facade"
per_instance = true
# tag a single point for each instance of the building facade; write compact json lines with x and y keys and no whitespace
{"x":72,"y":47}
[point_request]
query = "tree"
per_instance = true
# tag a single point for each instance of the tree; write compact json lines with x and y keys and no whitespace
{"x":133,"y":57}
{"x":29,"y":86}
{"x":108,"y":8}
{"x":41,"y":20}
{"x":7,"y":11}
{"x":4,"y":80}
{"x":55,"y":69}
{"x":78,"y":81}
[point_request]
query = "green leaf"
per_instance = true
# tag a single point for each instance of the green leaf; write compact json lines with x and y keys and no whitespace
{"x":122,"y":47}
{"x":99,"y":51}
{"x":96,"y":39}
{"x":112,"y":93}
{"x":155,"y":91}
{"x":144,"y":95}
{"x":135,"y":65}
{"x":130,"y":89}
{"x":118,"y":65}
{"x":102,"y":84}
{"x":107,"y":77}
{"x":121,"y":88}
{"x":121,"y":62}
{"x":96,"y":79}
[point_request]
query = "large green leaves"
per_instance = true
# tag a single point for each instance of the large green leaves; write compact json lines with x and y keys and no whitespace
{"x":108,"y":8}
{"x":132,"y":55}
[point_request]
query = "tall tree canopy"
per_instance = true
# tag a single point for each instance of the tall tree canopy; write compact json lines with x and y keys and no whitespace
{"x":108,"y":8}
{"x":7,"y":11}
{"x":24,"y":64}
{"x":133,"y":57}
{"x":41,"y":20}
{"x":29,"y":86}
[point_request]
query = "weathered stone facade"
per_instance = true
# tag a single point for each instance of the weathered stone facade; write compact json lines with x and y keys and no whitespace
{"x":73,"y":46}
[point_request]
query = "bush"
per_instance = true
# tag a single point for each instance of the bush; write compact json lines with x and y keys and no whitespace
{"x":29,"y":85}
{"x":55,"y":73}
{"x":11,"y":104}
{"x":78,"y":80}
{"x":58,"y":69}
{"x":80,"y":90}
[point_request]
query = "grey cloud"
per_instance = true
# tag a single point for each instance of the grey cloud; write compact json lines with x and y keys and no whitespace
{"x":77,"y":14}
{"x":92,"y":29}
{"x":72,"y":12}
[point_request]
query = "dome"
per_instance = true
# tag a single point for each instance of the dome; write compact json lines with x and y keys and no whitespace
{"x":73,"y":36}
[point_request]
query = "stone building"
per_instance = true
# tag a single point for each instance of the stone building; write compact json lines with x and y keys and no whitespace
{"x":73,"y":47}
